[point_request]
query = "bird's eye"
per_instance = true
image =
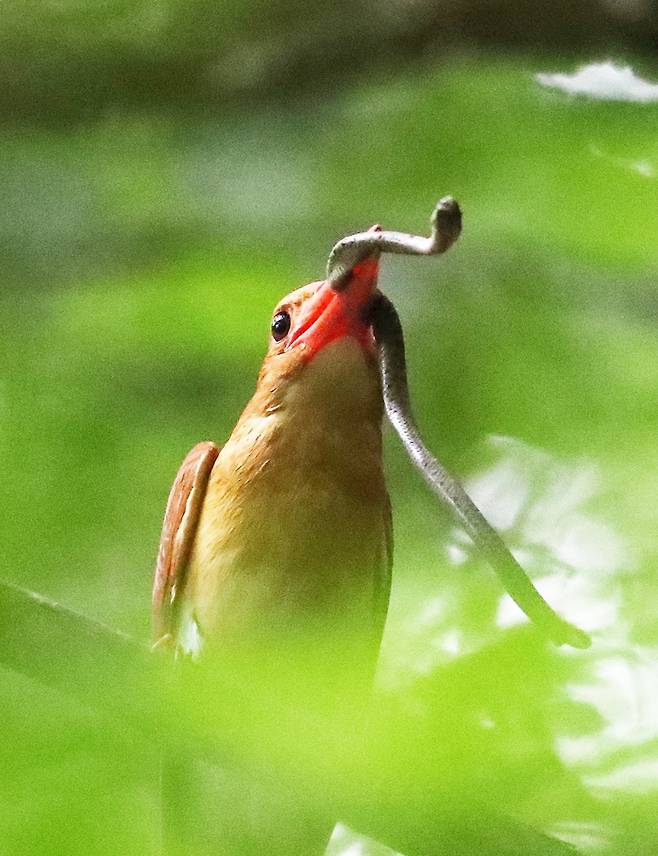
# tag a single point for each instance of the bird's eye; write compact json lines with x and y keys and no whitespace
{"x":280,"y":326}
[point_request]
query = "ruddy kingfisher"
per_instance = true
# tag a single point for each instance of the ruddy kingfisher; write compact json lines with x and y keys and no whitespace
{"x":281,"y":539}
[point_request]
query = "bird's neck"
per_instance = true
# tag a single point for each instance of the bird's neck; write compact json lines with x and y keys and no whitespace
{"x":329,"y":415}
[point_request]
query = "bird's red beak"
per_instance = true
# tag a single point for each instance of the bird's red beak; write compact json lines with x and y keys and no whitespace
{"x":328,"y":315}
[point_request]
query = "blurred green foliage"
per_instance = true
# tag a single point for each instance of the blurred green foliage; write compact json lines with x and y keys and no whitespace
{"x":143,"y":250}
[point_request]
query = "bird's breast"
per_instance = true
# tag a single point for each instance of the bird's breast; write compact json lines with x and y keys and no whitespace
{"x":293,"y":527}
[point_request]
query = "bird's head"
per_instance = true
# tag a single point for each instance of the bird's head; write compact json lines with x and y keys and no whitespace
{"x":316,"y":315}
{"x":322,"y":333}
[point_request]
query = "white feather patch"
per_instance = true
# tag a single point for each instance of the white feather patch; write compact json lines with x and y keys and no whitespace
{"x":190,"y":640}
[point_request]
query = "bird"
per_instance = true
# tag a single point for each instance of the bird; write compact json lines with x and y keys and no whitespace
{"x":277,"y":547}
{"x":291,"y":517}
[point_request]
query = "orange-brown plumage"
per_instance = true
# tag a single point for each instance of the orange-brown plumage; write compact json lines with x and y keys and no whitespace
{"x":275,"y":555}
{"x":293,"y":530}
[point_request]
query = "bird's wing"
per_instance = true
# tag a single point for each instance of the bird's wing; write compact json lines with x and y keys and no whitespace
{"x":178,"y":531}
